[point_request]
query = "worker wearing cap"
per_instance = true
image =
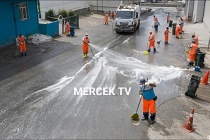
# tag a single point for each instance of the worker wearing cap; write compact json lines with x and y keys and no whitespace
{"x":106,"y":19}
{"x":146,"y":92}
{"x":151,"y":41}
{"x":195,"y":38}
{"x":192,"y":53}
{"x":166,"y":34}
{"x":85,"y":45}
{"x":22,"y":44}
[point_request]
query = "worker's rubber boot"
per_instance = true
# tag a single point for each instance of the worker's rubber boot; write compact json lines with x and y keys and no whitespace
{"x":148,"y":50}
{"x":84,"y":55}
{"x":21,"y":54}
{"x":154,"y":50}
{"x":26,"y":54}
{"x":152,"y":117}
{"x":146,"y":115}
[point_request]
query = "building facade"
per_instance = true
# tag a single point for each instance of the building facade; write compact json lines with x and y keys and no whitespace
{"x":198,"y":11}
{"x":17,"y":17}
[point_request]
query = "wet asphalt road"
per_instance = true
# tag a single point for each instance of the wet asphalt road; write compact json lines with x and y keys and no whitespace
{"x":37,"y":92}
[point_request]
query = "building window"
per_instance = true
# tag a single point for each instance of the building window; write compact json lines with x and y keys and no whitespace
{"x":23,"y":11}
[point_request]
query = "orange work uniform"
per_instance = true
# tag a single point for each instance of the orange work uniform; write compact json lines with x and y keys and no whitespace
{"x":152,"y":40}
{"x":196,"y":39}
{"x":106,"y":19}
{"x":85,"y":45}
{"x":149,"y":98}
{"x":155,"y":19}
{"x":22,"y":44}
{"x":192,"y":52}
{"x":67,"y":28}
{"x":178,"y":28}
{"x":166,"y":34}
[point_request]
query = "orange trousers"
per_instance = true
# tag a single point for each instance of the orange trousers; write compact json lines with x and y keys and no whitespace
{"x":149,"y":106}
{"x":85,"y":49}
{"x":22,"y":47}
{"x":166,"y":38}
{"x":151,"y":44}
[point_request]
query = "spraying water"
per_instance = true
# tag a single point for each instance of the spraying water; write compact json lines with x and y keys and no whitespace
{"x":110,"y":66}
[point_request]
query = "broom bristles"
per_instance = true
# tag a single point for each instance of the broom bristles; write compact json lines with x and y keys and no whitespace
{"x":135,"y":116}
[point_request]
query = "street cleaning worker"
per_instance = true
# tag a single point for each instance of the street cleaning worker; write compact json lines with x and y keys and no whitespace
{"x":67,"y":28}
{"x":22,"y":44}
{"x":177,"y":31}
{"x":113,"y":15}
{"x":192,"y":53}
{"x":166,"y":34}
{"x":195,"y":38}
{"x":151,"y":41}
{"x":181,"y":23}
{"x":106,"y":19}
{"x":149,"y":97}
{"x":155,"y":18}
{"x":156,"y":23}
{"x":85,"y":45}
{"x":167,"y":17}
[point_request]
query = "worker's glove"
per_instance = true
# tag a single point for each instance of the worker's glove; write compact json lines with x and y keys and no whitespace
{"x":155,"y":98}
{"x":140,"y":96}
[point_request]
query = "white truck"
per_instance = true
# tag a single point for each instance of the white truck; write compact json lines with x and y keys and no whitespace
{"x":128,"y":18}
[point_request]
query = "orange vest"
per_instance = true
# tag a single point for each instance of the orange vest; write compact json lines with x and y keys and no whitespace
{"x":155,"y":19}
{"x":166,"y":32}
{"x":85,"y":41}
{"x":152,"y":38}
{"x":196,"y":40}
{"x":106,"y":18}
{"x":21,"y":39}
{"x":193,"y":49}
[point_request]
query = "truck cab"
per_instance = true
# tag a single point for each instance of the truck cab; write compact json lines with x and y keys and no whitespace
{"x":128,"y":18}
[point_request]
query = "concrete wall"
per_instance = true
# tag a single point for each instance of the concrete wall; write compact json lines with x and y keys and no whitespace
{"x":189,"y":9}
{"x":11,"y":25}
{"x":198,"y":11}
{"x":51,"y":29}
{"x":106,"y":5}
{"x":206,"y":18}
{"x":56,"y":5}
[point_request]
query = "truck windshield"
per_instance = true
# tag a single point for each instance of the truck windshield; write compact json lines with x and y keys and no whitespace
{"x":124,"y":14}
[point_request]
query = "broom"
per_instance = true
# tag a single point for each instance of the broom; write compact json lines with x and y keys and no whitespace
{"x":146,"y":52}
{"x":135,"y":116}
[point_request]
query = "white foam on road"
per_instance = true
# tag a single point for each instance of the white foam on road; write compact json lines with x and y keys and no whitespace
{"x":108,"y":66}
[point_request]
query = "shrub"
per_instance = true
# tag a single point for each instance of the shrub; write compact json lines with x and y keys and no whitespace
{"x":63,"y":13}
{"x":49,"y":13}
{"x":70,"y":13}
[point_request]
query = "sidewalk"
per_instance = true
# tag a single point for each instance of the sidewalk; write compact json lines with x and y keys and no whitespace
{"x":172,"y":114}
{"x":203,"y":34}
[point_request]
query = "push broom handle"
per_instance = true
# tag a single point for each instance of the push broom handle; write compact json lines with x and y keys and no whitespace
{"x":140,"y":100}
{"x":138,"y":105}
